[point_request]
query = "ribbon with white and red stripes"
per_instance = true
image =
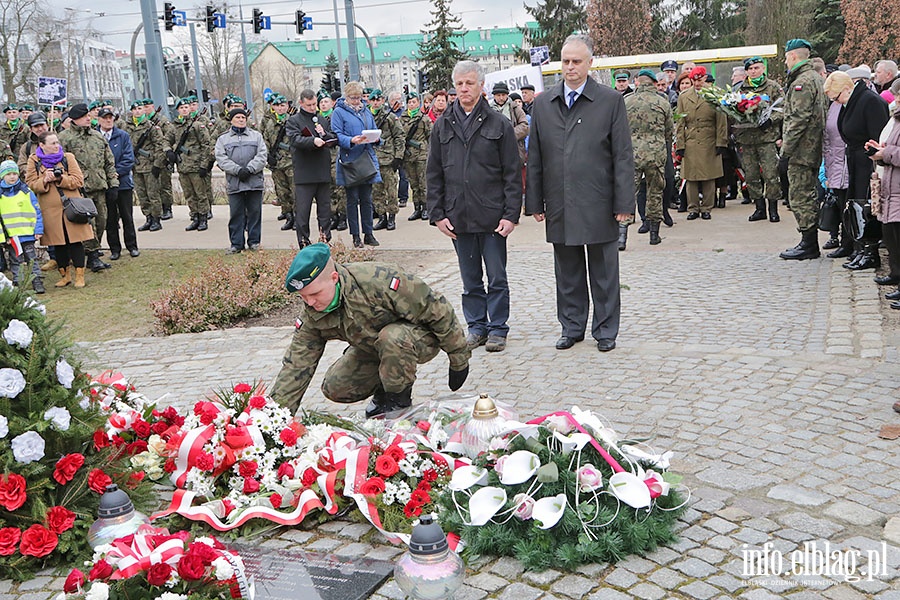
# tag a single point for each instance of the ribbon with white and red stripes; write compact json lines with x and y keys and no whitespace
{"x":191,"y":446}
{"x":143,"y":552}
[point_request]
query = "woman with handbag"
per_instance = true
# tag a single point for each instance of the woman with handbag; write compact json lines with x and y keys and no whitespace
{"x":52,"y":175}
{"x":887,"y":209}
{"x":357,"y":165}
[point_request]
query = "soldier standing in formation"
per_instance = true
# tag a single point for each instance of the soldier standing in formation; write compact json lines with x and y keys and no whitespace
{"x":759,"y":154}
{"x":417,"y":129}
{"x":190,"y":143}
{"x":390,"y":157}
{"x":150,"y":146}
{"x":206,"y":123}
{"x":164,"y":178}
{"x":279,"y":160}
{"x":14,"y":133}
{"x":338,"y":194}
{"x":652,"y":126}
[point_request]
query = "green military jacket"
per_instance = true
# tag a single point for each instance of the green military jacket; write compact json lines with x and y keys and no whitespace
{"x":6,"y":152}
{"x":15,"y":136}
{"x":369,"y":302}
{"x":805,"y":107}
{"x":749,"y":134}
{"x":417,"y":146}
{"x":652,"y":126}
{"x":93,"y":155}
{"x":194,"y":153}
{"x":152,"y":142}
{"x":270,"y":128}
{"x":393,"y":136}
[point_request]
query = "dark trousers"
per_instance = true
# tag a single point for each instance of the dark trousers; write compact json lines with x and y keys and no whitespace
{"x":403,"y":189}
{"x":359,"y":208}
{"x":120,"y":209}
{"x":486,"y":311}
{"x":577,"y":267}
{"x":73,"y":253}
{"x":890,"y":233}
{"x":304,"y":193}
{"x":245,"y":214}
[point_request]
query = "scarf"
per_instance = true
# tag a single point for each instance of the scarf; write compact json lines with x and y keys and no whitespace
{"x":139,"y":119}
{"x":8,"y":186}
{"x":12,"y":124}
{"x":373,"y":110}
{"x":413,"y":113}
{"x":757,"y":81}
{"x":327,"y":113}
{"x":336,"y":301}
{"x":49,"y":160}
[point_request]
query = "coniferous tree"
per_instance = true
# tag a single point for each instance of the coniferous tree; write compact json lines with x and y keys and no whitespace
{"x":439,"y":51}
{"x":827,"y":29}
{"x":330,"y":80}
{"x":556,"y":20}
{"x":712,"y":24}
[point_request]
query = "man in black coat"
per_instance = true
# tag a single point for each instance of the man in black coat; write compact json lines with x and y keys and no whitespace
{"x":580,"y":181}
{"x":311,"y":159}
{"x":474,"y":196}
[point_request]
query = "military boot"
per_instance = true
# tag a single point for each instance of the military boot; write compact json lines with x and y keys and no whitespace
{"x":654,"y":234}
{"x":417,"y":214}
{"x":385,"y":403}
{"x":195,"y":223}
{"x":773,"y":211}
{"x":288,"y":222}
{"x":623,"y":236}
{"x":94,"y":263}
{"x":382,"y":223}
{"x":202,"y":225}
{"x":760,"y":213}
{"x":341,"y":224}
{"x":166,"y":213}
{"x":147,"y":224}
{"x":37,"y":285}
{"x":155,"y":224}
{"x":391,"y":222}
{"x":645,"y":227}
{"x":807,"y":248}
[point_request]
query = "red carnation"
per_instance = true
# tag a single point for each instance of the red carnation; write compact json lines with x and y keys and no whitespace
{"x":38,"y":541}
{"x":158,"y":574}
{"x":429,"y":475}
{"x":207,"y":412}
{"x":60,"y":519}
{"x":420,"y":496}
{"x":205,"y":461}
{"x":135,"y":479}
{"x":101,"y":570}
{"x":191,"y":567}
{"x":169,"y":466}
{"x":159,"y":427}
{"x":141,"y":428}
{"x":275,"y":499}
{"x":248,"y":468}
{"x":204,"y":551}
{"x":98,"y":480}
{"x":9,"y":540}
{"x":136,"y":447}
{"x":12,"y":491}
{"x":101,"y":440}
{"x":386,"y":466}
{"x":66,"y":467}
{"x":423,"y":426}
{"x":74,"y":582}
{"x":309,"y":477}
{"x":395,"y":452}
{"x":257,"y":402}
{"x":412,"y":509}
{"x":118,"y":440}
{"x":242,"y":388}
{"x":372,"y":487}
{"x":229,"y":506}
{"x":251,"y":486}
{"x":171,"y":415}
{"x":288,"y":436}
{"x":285,"y":470}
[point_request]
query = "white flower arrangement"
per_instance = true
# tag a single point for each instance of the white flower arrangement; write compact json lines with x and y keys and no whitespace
{"x":18,"y":333}
{"x":12,"y":382}
{"x":4,"y":427}
{"x":65,"y":374}
{"x":59,"y":416}
{"x":28,"y":447}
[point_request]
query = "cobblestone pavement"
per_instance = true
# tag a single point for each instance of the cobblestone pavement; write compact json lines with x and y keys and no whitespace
{"x":769,"y":380}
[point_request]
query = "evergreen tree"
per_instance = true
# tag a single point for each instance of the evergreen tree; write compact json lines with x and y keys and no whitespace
{"x":712,"y":24}
{"x":556,"y":20}
{"x":827,"y":32}
{"x":330,"y":80}
{"x":439,"y":51}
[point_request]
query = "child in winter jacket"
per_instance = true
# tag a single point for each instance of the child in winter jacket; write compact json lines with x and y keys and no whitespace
{"x":20,"y":224}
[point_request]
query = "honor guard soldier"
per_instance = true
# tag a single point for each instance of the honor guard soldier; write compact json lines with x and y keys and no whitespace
{"x":14,"y":132}
{"x":149,"y":146}
{"x":274,"y":133}
{"x":390,"y":158}
{"x":417,"y":128}
{"x":191,"y":148}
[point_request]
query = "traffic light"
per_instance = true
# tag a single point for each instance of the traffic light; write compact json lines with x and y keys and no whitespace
{"x":169,"y":15}
{"x":406,"y":91}
{"x":299,"y":22}
{"x":210,"y":19}
{"x":257,"y":21}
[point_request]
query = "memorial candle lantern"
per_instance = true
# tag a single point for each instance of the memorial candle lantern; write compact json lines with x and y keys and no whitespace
{"x":116,"y":517}
{"x":429,"y":570}
{"x":484,"y":424}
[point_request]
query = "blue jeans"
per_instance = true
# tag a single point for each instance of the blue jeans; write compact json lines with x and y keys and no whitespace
{"x":359,"y":196}
{"x":245,"y":214}
{"x":486,"y":312}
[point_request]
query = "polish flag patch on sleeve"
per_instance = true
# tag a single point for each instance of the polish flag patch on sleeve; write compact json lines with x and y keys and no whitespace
{"x":395,"y":283}
{"x":298,"y":323}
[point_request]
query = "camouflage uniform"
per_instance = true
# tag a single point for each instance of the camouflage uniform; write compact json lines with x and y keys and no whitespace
{"x":5,"y":151}
{"x":758,"y":151}
{"x":146,"y":159}
{"x":389,"y":332}
{"x":99,"y":167}
{"x":13,"y":138}
{"x":280,"y":160}
{"x":805,"y":107}
{"x":416,"y":154}
{"x":338,"y":194}
{"x":390,"y":149}
{"x":652,"y":128}
{"x":193,"y":156}
{"x":165,"y":174}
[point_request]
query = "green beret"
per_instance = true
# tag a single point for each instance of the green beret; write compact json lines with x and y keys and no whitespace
{"x":647,"y":73}
{"x":181,"y":102}
{"x":412,"y":95}
{"x":94,"y":104}
{"x":307,"y":265}
{"x":148,"y":101}
{"x":753,"y":60}
{"x":237,"y":100}
{"x":797,"y":43}
{"x":193,"y":98}
{"x":376,"y":93}
{"x":323,"y":93}
{"x":10,"y":107}
{"x":136,"y":104}
{"x":277,"y":99}
{"x":622,"y":75}
{"x":27,"y":107}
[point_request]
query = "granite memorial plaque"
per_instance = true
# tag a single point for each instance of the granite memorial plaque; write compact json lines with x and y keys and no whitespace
{"x":298,"y":574}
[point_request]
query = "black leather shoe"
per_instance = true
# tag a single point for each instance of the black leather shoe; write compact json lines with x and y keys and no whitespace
{"x":895,"y":295}
{"x":831,"y":244}
{"x":357,"y":242}
{"x":605,"y":344}
{"x":114,"y":255}
{"x":370,"y":240}
{"x":866,"y":261}
{"x":887,"y":280}
{"x":565,"y":342}
{"x":705,"y":216}
{"x":693,"y":216}
{"x":134,"y":253}
{"x":895,"y":305}
{"x":840,"y":253}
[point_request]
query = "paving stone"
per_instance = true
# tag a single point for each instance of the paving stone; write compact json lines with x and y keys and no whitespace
{"x":892,"y":530}
{"x":843,"y":592}
{"x":710,"y":555}
{"x":636,"y":564}
{"x":35,"y":584}
{"x":694,"y":567}
{"x":719,"y":525}
{"x":759,"y":594}
{"x":486,"y":582}
{"x":573,"y":586}
{"x":853,"y":513}
{"x":666,"y":578}
{"x":508,"y":568}
{"x":298,"y":536}
{"x":698,"y":589}
{"x":797,"y":495}
{"x":520,"y":591}
{"x":733,"y":513}
{"x":606,"y":594}
{"x":354,"y":531}
{"x":647,"y":591}
{"x":822,"y":528}
{"x":726,"y":582}
{"x":467,"y":592}
{"x":324,"y":545}
{"x":621,"y":578}
{"x":354,"y":550}
{"x":541,"y":578}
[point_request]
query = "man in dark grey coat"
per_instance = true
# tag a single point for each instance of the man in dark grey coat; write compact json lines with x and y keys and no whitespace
{"x":474,"y":196}
{"x":580,"y":181}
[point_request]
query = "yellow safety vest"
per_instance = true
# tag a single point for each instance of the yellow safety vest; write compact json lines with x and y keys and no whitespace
{"x":19,"y":216}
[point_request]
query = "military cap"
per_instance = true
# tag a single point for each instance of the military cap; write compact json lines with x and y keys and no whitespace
{"x":647,"y":73}
{"x":500,"y":88}
{"x":181,"y":101}
{"x":193,"y":98}
{"x":376,"y":94}
{"x":336,"y":95}
{"x":27,"y":107}
{"x":235,"y":112}
{"x":135,"y":104}
{"x":753,"y":60}
{"x":36,"y":118}
{"x":237,"y":100}
{"x":527,"y":86}
{"x":710,"y":78}
{"x":323,"y":93}
{"x":10,"y":107}
{"x":622,"y":75}
{"x":412,"y":95}
{"x":277,"y":99}
{"x":452,"y":91}
{"x":307,"y":265}
{"x":668,"y":65}
{"x":515,"y":96}
{"x":94,"y":104}
{"x":797,"y":43}
{"x":78,"y":111}
{"x":698,"y":73}
{"x":148,"y":101}
{"x":106,"y":112}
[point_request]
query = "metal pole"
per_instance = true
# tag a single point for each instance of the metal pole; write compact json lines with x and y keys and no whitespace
{"x":337,"y":36}
{"x":134,"y":69}
{"x":84,"y":95}
{"x":351,"y":41}
{"x":153,"y":51}
{"x":248,"y":91}
{"x":371,"y":49}
{"x":198,"y":80}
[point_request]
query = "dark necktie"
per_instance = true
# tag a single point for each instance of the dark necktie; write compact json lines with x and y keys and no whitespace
{"x":572,"y":95}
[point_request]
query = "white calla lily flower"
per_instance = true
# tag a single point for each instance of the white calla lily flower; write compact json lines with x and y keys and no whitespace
{"x":630,"y":489}
{"x":548,"y":511}
{"x":467,"y":476}
{"x":485,"y":503}
{"x":573,"y":441}
{"x":519,"y":467}
{"x":660,"y":461}
{"x":526,"y":430}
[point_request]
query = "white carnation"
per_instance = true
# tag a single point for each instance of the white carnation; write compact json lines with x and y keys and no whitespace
{"x":83,"y":401}
{"x":18,"y":334}
{"x":11,"y":382}
{"x":32,"y":303}
{"x":224,"y":570}
{"x":65,"y":374}
{"x":28,"y":447}
{"x":98,"y":591}
{"x":59,"y":416}
{"x":4,"y":282}
{"x":4,"y":427}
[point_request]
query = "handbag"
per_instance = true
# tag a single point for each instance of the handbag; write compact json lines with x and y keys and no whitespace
{"x":860,"y":221}
{"x":78,"y":210}
{"x":829,"y":214}
{"x":359,"y":170}
{"x":875,"y":190}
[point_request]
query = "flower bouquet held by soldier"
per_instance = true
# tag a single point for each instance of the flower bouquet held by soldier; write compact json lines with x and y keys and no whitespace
{"x":392,"y":321}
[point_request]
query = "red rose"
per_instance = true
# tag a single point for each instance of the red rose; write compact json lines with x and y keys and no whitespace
{"x":248,"y":468}
{"x":60,"y":519}
{"x":275,"y":499}
{"x":74,"y":582}
{"x":412,"y":509}
{"x":309,"y":476}
{"x":429,"y":475}
{"x":158,"y":574}
{"x":288,"y":436}
{"x":171,"y":415}
{"x":191,"y":567}
{"x":372,"y":487}
{"x":242,"y":388}
{"x":257,"y":402}
{"x":141,"y":428}
{"x":117,"y":421}
{"x":118,"y":440}
{"x":38,"y":541}
{"x":135,"y":479}
{"x":205,"y":461}
{"x":159,"y":427}
{"x":66,"y":467}
{"x":98,"y":480}
{"x":101,"y":570}
{"x":395,"y":452}
{"x":386,"y":466}
{"x":12,"y":491}
{"x":169,"y":466}
{"x":423,"y":426}
{"x":9,"y":539}
{"x":136,"y":447}
{"x":420,"y":496}
{"x":251,"y":486}
{"x":285,"y":470}
{"x":206,"y":552}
